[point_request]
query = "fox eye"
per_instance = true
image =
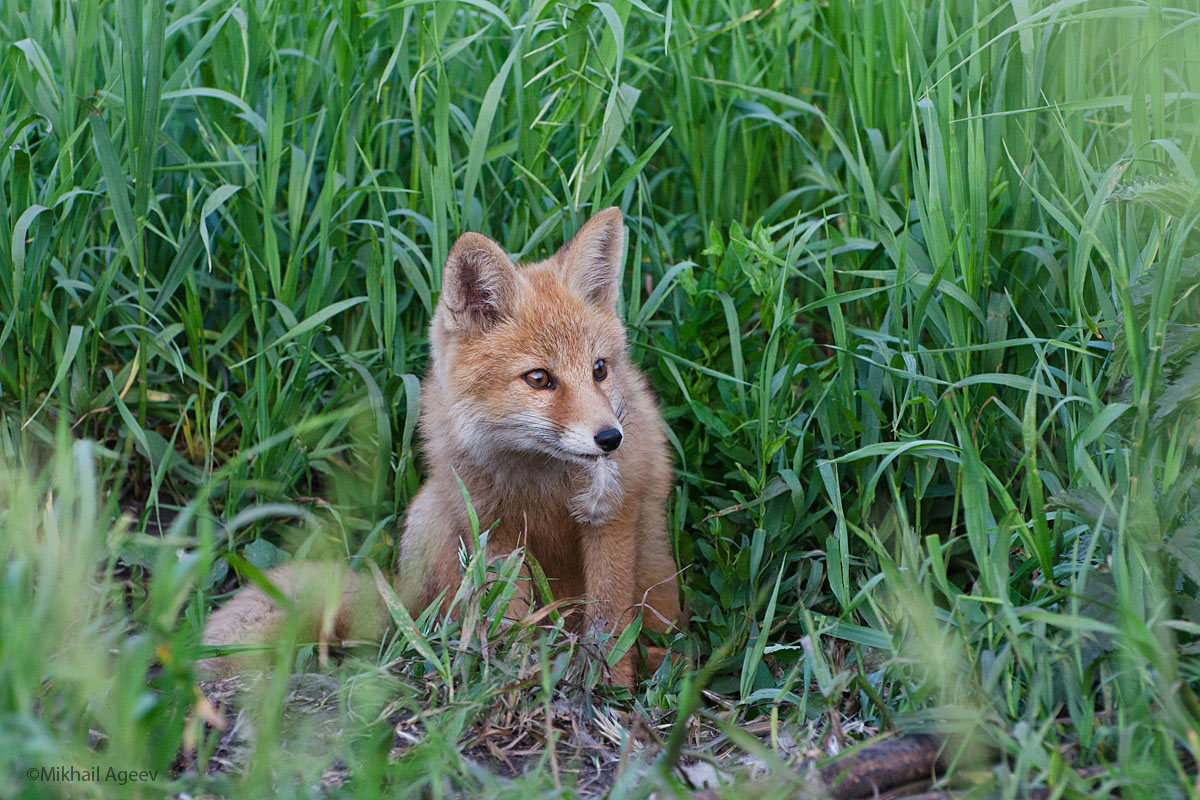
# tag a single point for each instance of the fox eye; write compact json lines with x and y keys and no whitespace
{"x":600,"y":369}
{"x":539,"y":379}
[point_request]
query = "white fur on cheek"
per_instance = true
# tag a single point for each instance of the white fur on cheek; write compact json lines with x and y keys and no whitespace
{"x":598,"y":500}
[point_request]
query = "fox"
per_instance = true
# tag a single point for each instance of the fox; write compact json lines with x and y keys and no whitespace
{"x":532,"y":401}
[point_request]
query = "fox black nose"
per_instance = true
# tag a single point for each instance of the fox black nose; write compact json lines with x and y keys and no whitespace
{"x":609,"y":439}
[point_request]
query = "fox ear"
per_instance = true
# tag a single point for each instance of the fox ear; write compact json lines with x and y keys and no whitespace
{"x":593,"y":258}
{"x":478,"y":282}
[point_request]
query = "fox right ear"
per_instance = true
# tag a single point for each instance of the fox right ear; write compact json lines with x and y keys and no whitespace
{"x":478,"y":282}
{"x":593,"y":258}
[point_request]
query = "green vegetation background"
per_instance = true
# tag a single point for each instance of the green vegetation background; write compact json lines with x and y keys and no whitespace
{"x":914,"y":281}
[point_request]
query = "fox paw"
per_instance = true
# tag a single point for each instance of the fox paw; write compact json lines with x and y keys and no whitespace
{"x":597,"y":502}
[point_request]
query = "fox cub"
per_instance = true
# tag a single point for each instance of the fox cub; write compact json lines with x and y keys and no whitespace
{"x":531,"y":400}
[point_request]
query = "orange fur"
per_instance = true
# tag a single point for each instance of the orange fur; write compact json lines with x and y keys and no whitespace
{"x":529,"y":457}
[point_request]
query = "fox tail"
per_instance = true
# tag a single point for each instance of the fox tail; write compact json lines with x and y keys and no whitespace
{"x":330,"y":605}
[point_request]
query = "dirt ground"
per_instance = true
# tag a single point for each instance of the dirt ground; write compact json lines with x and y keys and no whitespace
{"x":593,"y":749}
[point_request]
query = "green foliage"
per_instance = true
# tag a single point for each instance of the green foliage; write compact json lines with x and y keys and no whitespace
{"x":916,"y":284}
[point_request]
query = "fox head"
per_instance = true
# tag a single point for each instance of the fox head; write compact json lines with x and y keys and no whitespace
{"x":533,"y":358}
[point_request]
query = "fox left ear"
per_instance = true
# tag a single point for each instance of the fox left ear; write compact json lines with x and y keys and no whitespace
{"x":478,"y":283}
{"x":593,"y":258}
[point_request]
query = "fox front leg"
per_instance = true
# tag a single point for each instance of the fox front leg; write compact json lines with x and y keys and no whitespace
{"x":609,"y":553}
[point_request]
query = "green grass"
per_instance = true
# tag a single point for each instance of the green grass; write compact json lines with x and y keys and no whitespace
{"x":914,"y":281}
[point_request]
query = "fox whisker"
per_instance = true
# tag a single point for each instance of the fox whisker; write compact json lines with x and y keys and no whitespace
{"x":535,"y":427}
{"x":536,"y":420}
{"x":622,"y":411}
